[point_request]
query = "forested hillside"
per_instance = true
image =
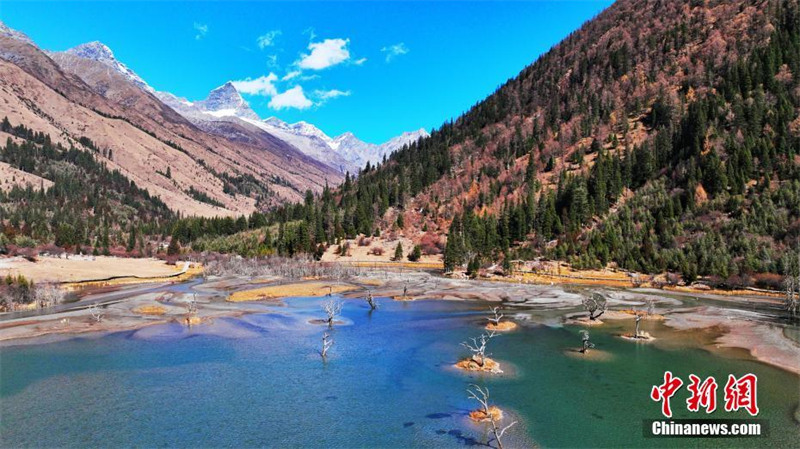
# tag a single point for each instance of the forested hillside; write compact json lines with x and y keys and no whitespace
{"x":661,"y":136}
{"x":83,"y":204}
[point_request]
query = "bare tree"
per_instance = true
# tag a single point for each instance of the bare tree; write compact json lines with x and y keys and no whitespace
{"x":47,"y":295}
{"x":792,"y":300}
{"x":638,"y":317}
{"x":327,"y":342}
{"x":651,"y":307}
{"x":97,"y":314}
{"x":478,"y":347}
{"x":332,"y":308}
{"x":792,"y":287}
{"x":587,"y":344}
{"x":371,"y":301}
{"x":191,"y":306}
{"x":497,"y":316}
{"x":595,"y":304}
{"x":481,"y":395}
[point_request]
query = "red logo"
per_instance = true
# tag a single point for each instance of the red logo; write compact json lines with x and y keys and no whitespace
{"x":665,"y":391}
{"x":739,"y":393}
{"x":704,"y":394}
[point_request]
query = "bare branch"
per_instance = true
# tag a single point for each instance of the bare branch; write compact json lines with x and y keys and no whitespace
{"x":478,"y":346}
{"x":97,"y":314}
{"x":327,"y":342}
{"x":371,"y":301}
{"x":497,"y":315}
{"x":587,"y":344}
{"x":595,"y":304}
{"x":481,"y":395}
{"x":332,"y":308}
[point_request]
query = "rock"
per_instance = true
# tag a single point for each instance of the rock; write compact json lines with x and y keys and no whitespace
{"x":489,"y":365}
{"x":503,"y":326}
{"x":480,"y":415}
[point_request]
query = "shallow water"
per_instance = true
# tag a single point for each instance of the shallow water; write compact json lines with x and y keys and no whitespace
{"x":258,"y":381}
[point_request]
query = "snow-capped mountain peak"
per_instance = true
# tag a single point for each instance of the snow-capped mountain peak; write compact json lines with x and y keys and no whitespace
{"x":97,"y":51}
{"x":5,"y":30}
{"x":224,"y":101}
{"x":308,"y":129}
{"x":406,"y":138}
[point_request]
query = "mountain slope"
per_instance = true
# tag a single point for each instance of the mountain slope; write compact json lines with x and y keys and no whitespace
{"x":95,"y":97}
{"x":661,"y":136}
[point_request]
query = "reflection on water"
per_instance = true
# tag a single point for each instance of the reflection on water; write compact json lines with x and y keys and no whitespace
{"x":389,"y":382}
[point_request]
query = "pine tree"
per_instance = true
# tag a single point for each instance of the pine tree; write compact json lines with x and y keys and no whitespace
{"x":415,"y":254}
{"x":398,"y":252}
{"x":174,"y":247}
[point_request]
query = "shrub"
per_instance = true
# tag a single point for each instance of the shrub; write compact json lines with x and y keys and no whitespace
{"x":415,"y":253}
{"x":431,"y":244}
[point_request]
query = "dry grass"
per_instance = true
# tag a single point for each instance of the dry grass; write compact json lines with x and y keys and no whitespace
{"x":192,"y":320}
{"x":480,"y":415}
{"x":150,"y":309}
{"x":290,"y":290}
{"x":371,"y":282}
{"x":489,"y":365}
{"x":713,"y":291}
{"x":77,"y":268}
{"x":502,"y":326}
{"x":195,"y":270}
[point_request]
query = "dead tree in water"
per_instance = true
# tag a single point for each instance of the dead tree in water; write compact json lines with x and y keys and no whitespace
{"x":191,"y":306}
{"x":371,"y":301}
{"x":97,"y":314}
{"x":497,"y":316}
{"x":482,"y":396}
{"x":478,"y":347}
{"x":595,"y":305}
{"x":327,"y":342}
{"x":638,"y":317}
{"x":587,"y":344}
{"x":332,"y":309}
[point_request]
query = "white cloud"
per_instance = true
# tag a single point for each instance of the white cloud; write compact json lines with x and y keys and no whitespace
{"x":272,"y":61}
{"x":324,"y":95}
{"x":360,"y":61}
{"x":202,"y":30}
{"x":290,"y":75}
{"x":268,"y":39}
{"x":263,"y":85}
{"x":393,"y":51}
{"x":292,"y":98}
{"x":327,"y":53}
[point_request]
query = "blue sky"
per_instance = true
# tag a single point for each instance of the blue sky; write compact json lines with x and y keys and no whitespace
{"x":373,"y":68}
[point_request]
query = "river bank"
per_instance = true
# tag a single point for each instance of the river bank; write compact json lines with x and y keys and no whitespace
{"x":748,"y":323}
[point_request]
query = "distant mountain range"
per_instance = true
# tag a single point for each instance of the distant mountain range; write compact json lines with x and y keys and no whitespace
{"x":85,"y":98}
{"x":344,"y":153}
{"x":223,"y":159}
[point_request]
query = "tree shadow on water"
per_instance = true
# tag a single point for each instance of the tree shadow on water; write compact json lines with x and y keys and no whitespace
{"x":465,"y":440}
